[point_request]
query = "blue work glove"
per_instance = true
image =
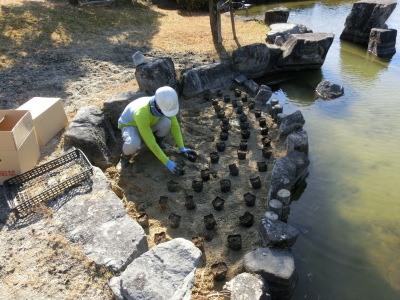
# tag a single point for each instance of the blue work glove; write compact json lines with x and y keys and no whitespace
{"x":188,"y":153}
{"x":173,"y":167}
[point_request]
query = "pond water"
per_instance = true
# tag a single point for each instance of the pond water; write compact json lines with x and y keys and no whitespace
{"x":349,"y":213}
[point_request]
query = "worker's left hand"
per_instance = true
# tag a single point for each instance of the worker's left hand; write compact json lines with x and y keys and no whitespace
{"x":188,"y":153}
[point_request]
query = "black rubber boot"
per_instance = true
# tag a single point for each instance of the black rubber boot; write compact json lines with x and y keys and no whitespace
{"x":160,"y":142}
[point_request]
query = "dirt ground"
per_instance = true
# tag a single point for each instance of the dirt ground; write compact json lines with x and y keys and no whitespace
{"x":38,"y":262}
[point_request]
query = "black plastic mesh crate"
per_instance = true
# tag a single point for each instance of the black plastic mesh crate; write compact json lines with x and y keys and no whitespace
{"x":46,"y":181}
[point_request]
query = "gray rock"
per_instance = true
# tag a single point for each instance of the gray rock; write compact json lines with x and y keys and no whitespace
{"x":166,"y":272}
{"x":301,"y":161}
{"x":284,"y":30}
{"x":247,"y":286}
{"x":208,"y":77}
{"x":251,"y":60}
{"x":271,"y":215}
{"x":364,"y":16}
{"x":283,"y":176}
{"x":240,"y":79}
{"x":276,"y":15}
{"x":91,"y":131}
{"x":276,"y":266}
{"x":290,"y":123}
{"x":138,"y":58}
{"x":263,"y":95}
{"x":96,"y":218}
{"x":305,"y":51}
{"x":156,"y":73}
{"x":277,"y":234}
{"x":275,"y":53}
{"x":327,"y":90}
{"x":115,"y":104}
{"x":297,"y":140}
{"x":382,"y":42}
{"x":251,"y":86}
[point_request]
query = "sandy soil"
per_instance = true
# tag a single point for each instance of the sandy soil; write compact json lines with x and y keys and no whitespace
{"x":37,"y":262}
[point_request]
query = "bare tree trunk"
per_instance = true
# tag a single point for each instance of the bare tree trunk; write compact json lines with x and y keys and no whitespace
{"x":214,"y":19}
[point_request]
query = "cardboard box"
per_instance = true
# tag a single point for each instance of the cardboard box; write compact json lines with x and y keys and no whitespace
{"x":14,"y":162}
{"x":48,"y":117}
{"x":15,"y":125}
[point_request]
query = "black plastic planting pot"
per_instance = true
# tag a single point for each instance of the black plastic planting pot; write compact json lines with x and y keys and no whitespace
{"x":243,"y":145}
{"x":223,"y":136}
{"x":209,"y":221}
{"x":214,"y":157}
{"x":192,"y":157}
{"x":219,"y":93}
{"x":220,"y":146}
{"x":239,"y":109}
{"x":264,"y":130}
{"x":233,"y":170}
{"x":225,"y":128}
{"x":266,"y":153}
{"x":217,"y":108}
{"x":160,"y":237}
{"x":225,"y":185}
{"x":198,"y":242}
{"x":235,"y":241}
{"x":172,"y":186}
{"x":174,"y":220}
{"x":227,"y":98}
{"x":214,"y":102}
{"x":247,"y":219}
{"x":266,"y":142}
{"x":255,"y":182}
{"x":245,"y":134}
{"x":241,"y":154}
{"x":189,"y":202}
{"x":234,"y":103}
{"x":238,"y":92}
{"x":262,"y":166}
{"x":207,"y":96}
{"x":257,"y":113}
{"x":219,"y":271}
{"x":225,"y":121}
{"x":162,"y":203}
{"x":218,"y":203}
{"x":221,"y":114}
{"x":262,"y":122}
{"x":197,"y":185}
{"x":205,"y":174}
{"x":249,"y":199}
{"x":244,"y":98}
{"x":243,"y":118}
{"x":244,"y":125}
{"x":143,"y":220}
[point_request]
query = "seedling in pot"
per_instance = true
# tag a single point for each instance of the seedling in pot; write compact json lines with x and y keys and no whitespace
{"x":223,"y":136}
{"x":214,"y":157}
{"x":192,"y":156}
{"x":262,"y":166}
{"x":243,"y":118}
{"x":205,"y":174}
{"x":235,"y":241}
{"x":255,"y":182}
{"x":249,"y":199}
{"x":257,"y":113}
{"x":266,"y":142}
{"x":198,"y":242}
{"x":221,"y":146}
{"x":247,"y":219}
{"x":233,"y":170}
{"x":174,"y":220}
{"x":219,"y":271}
{"x":266,"y":153}
{"x":189,"y":202}
{"x":160,"y":237}
{"x":262,"y":122}
{"x":197,"y":185}
{"x":218,"y":203}
{"x":225,"y":128}
{"x":264,"y":130}
{"x":209,"y":221}
{"x":241,"y":154}
{"x":243,"y":145}
{"x":245,"y":134}
{"x":172,"y":186}
{"x":162,"y":203}
{"x":225,"y":185}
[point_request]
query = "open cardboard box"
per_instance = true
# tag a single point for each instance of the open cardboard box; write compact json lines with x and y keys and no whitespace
{"x":19,"y":150}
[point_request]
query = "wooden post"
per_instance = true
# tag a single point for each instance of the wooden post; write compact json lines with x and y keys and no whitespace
{"x":232,"y":19}
{"x":219,"y":23}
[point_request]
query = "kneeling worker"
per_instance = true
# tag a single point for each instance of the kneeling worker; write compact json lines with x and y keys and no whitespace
{"x":151,"y":119}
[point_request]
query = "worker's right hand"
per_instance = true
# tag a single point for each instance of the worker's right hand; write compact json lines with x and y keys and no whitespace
{"x":173,"y":167}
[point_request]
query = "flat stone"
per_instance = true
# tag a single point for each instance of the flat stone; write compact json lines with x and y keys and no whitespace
{"x":247,"y":286}
{"x":251,"y":86}
{"x":166,"y":272}
{"x":90,"y":131}
{"x":115,"y":104}
{"x":277,"y":234}
{"x":284,"y":30}
{"x":96,"y":218}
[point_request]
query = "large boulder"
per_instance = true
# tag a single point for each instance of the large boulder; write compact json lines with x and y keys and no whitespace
{"x":290,"y":123}
{"x":251,"y":60}
{"x":382,"y":42}
{"x":91,"y":131}
{"x":364,"y":16}
{"x":156,"y":73}
{"x":166,"y":272}
{"x":115,"y":104}
{"x":297,"y":140}
{"x":247,"y":286}
{"x":276,"y":15}
{"x":96,"y":218}
{"x":282,"y":31}
{"x":328,"y":91}
{"x":213,"y":76}
{"x":276,"y":266}
{"x":305,"y":51}
{"x":283,"y":176}
{"x":275,"y":233}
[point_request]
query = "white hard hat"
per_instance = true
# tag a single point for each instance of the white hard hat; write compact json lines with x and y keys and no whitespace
{"x":167,"y":100}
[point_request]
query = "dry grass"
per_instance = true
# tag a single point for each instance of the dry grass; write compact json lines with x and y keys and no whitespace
{"x":27,"y":26}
